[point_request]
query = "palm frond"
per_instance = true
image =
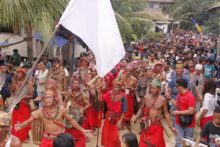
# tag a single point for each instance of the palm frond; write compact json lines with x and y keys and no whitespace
{"x":17,"y":12}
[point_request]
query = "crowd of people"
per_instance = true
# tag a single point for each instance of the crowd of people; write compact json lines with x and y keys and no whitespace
{"x":173,"y":79}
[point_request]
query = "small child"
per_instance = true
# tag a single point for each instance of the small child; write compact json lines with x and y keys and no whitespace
{"x":211,"y":130}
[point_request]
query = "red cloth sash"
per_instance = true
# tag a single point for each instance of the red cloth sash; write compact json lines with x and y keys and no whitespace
{"x":20,"y":115}
{"x":46,"y":142}
{"x":94,"y":118}
{"x":110,"y":134}
{"x":130,"y":111}
{"x":152,"y":137}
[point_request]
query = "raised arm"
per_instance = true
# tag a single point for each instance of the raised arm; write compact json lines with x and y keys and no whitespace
{"x":20,"y":125}
{"x":75,"y":124}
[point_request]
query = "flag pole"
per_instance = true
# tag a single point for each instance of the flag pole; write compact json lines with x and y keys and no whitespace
{"x":17,"y":99}
{"x":99,"y":115}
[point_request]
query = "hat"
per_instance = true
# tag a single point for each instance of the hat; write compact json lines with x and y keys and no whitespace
{"x":137,"y":57}
{"x":117,"y":83}
{"x":149,"y":68}
{"x":50,"y":80}
{"x":56,"y":60}
{"x":83,"y":54}
{"x":198,"y":67}
{"x":158,"y":63}
{"x":156,"y":82}
{"x":22,"y":70}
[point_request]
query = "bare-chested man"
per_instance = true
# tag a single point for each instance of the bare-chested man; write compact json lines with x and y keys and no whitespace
{"x":94,"y":112}
{"x":52,"y":116}
{"x":57,"y":72}
{"x":52,"y":88}
{"x":154,"y":111}
{"x":129,"y":85}
{"x":79,"y":99}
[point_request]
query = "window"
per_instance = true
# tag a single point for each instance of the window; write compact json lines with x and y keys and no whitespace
{"x":151,"y":5}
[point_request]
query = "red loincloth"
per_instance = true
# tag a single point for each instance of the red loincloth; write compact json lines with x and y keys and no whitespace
{"x":85,"y":123}
{"x":130,"y":111}
{"x":154,"y":136}
{"x":204,"y":120}
{"x":94,"y":118}
{"x":20,"y":115}
{"x":46,"y":142}
{"x":80,"y":139}
{"x":110,"y":134}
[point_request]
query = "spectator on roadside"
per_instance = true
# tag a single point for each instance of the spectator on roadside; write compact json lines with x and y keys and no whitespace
{"x":211,"y":130}
{"x":197,"y":81}
{"x":209,"y":69}
{"x":185,"y":112}
{"x":46,"y":62}
{"x":5,"y":82}
{"x":16,"y":58}
{"x":172,"y":86}
{"x":41,"y":79}
{"x":208,"y":104}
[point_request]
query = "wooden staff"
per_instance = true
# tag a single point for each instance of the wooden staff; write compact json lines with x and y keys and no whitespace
{"x":93,"y":80}
{"x":17,"y":99}
{"x":99,"y":117}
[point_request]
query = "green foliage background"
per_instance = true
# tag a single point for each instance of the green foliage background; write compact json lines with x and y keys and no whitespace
{"x":183,"y":10}
{"x":132,"y":28}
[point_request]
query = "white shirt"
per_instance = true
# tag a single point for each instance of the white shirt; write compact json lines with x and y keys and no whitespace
{"x":42,"y":76}
{"x":66,"y":72}
{"x":209,"y":103}
{"x":168,"y":75}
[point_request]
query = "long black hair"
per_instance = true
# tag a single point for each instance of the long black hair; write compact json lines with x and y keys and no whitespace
{"x":130,"y":140}
{"x":209,"y":87}
{"x":64,"y":140}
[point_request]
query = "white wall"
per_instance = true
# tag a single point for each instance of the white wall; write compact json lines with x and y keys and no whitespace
{"x":37,"y":47}
{"x":164,"y":27}
{"x":22,"y":47}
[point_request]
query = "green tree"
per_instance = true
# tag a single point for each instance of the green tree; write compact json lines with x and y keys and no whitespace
{"x":183,"y":10}
{"x":32,"y":15}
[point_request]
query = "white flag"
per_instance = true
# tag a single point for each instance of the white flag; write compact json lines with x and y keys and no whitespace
{"x":94,"y":22}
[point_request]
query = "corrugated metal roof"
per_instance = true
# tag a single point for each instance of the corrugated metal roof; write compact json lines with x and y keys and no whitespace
{"x":162,"y":1}
{"x":153,"y":15}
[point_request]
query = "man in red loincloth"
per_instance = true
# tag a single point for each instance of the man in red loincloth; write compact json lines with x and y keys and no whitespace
{"x":79,"y":98}
{"x":155,"y":107}
{"x":52,"y":116}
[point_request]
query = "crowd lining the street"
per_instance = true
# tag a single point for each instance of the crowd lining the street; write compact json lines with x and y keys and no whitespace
{"x":173,"y":78}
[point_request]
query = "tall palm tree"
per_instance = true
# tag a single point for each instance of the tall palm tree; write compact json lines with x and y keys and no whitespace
{"x":37,"y":15}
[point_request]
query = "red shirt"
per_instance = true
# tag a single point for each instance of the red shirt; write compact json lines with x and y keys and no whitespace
{"x":117,"y":106}
{"x":186,"y":100}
